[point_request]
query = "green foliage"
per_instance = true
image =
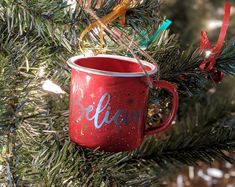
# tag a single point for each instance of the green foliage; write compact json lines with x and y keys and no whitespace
{"x":39,"y":36}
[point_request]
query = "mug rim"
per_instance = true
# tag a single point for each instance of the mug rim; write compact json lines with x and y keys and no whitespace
{"x":72,"y":64}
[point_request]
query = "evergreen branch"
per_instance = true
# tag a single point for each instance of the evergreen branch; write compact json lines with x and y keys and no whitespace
{"x":226,"y":63}
{"x":194,"y":138}
{"x":34,"y":123}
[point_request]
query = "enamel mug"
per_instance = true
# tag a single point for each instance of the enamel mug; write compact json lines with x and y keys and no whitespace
{"x":109,"y":102}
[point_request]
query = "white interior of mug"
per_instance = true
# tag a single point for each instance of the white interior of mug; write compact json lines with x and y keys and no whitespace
{"x":111,"y":65}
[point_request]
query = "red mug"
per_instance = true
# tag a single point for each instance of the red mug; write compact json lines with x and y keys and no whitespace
{"x":108,"y":102}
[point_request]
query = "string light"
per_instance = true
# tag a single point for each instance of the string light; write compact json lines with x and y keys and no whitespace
{"x":220,"y":11}
{"x":72,"y":5}
{"x":214,"y":24}
{"x":96,"y":31}
{"x":49,"y":86}
{"x":191,"y":172}
{"x":214,"y":172}
{"x":89,"y":53}
{"x":41,"y":71}
{"x":208,"y":53}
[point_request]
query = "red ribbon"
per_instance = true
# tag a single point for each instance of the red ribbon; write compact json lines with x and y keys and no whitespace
{"x":208,"y":64}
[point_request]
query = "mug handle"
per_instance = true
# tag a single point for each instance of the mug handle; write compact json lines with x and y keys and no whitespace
{"x":175,"y":102}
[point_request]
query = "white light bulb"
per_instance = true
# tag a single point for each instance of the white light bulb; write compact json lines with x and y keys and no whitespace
{"x":208,"y":53}
{"x":191,"y":172}
{"x":214,"y":172}
{"x":220,"y":11}
{"x":89,"y":53}
{"x":41,"y":71}
{"x":214,"y":24}
{"x":180,"y":181}
{"x":72,"y":5}
{"x":49,"y":86}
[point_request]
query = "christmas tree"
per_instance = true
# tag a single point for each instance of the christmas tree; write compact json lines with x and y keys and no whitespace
{"x":37,"y":38}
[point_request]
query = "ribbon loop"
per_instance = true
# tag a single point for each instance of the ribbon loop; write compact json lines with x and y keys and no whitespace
{"x":208,"y":64}
{"x":118,"y":11}
{"x":205,"y":42}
